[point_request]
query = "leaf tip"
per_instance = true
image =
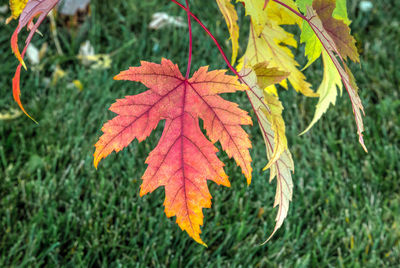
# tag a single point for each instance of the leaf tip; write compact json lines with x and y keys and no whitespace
{"x":143,"y":191}
{"x":202,"y":243}
{"x":96,"y":158}
{"x":277,"y":226}
{"x":361,"y":140}
{"x":15,"y":49}
{"x":269,"y":238}
{"x":268,"y":165}
{"x":95,"y":163}
{"x":248,"y":178}
{"x":17,"y":91}
{"x":247,"y":172}
{"x":306,"y":130}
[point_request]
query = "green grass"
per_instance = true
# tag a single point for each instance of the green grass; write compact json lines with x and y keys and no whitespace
{"x":57,"y":210}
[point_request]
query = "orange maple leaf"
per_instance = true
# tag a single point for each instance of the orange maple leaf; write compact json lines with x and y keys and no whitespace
{"x":184,"y":159}
{"x":32,"y":9}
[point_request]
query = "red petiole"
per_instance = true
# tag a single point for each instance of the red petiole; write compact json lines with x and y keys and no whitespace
{"x":190,"y":14}
{"x":190,"y":40}
{"x":220,"y":50}
{"x":209,"y":34}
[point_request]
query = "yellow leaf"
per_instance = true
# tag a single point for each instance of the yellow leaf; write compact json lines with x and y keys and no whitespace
{"x":231,"y":17}
{"x":255,"y":9}
{"x":97,"y":61}
{"x":261,"y":13}
{"x":269,"y":109}
{"x":271,"y":46}
{"x":274,"y":116}
{"x":281,"y":15}
{"x":57,"y":75}
{"x":16,"y":7}
{"x":11,"y":114}
{"x":268,"y":76}
{"x":78,"y":84}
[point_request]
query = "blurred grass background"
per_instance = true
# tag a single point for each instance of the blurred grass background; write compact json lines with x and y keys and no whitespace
{"x":57,"y":210}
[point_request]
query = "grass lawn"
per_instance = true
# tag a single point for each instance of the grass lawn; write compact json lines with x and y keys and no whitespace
{"x":57,"y":209}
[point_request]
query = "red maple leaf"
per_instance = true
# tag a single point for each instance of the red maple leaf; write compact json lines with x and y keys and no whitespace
{"x":184,"y":158}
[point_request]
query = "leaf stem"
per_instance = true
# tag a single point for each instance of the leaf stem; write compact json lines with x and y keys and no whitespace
{"x":190,"y":41}
{"x":222,"y":52}
{"x":212,"y":37}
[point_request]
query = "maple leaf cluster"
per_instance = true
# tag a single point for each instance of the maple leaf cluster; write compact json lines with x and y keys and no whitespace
{"x":184,"y":158}
{"x":26,"y":11}
{"x":325,"y":31}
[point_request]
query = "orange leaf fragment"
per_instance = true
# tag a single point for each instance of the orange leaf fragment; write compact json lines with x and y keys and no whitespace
{"x":184,"y":158}
{"x":32,"y":9}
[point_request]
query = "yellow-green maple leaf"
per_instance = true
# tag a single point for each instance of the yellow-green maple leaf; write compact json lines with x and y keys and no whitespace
{"x":335,"y":38}
{"x":313,"y":46}
{"x":267,"y":106}
{"x":337,"y":29}
{"x":340,"y":11}
{"x":333,"y":14}
{"x":337,"y":49}
{"x":269,"y":109}
{"x":327,"y":90}
{"x":231,"y":17}
{"x":271,"y":46}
